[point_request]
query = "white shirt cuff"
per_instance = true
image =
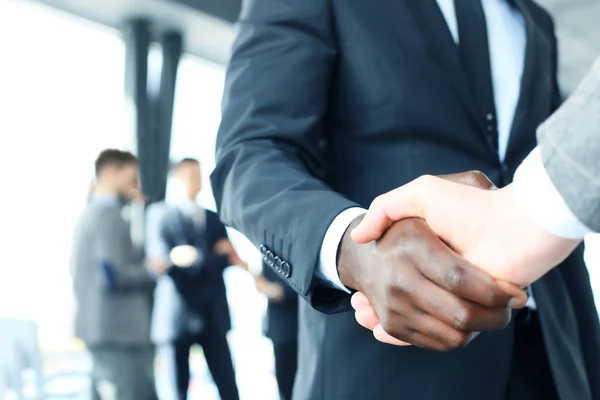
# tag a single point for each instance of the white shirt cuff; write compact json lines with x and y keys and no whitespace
{"x":327,"y":271}
{"x":539,"y":199}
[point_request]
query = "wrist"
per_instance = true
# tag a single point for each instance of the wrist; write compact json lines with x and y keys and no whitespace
{"x":538,"y":249}
{"x":349,"y":256}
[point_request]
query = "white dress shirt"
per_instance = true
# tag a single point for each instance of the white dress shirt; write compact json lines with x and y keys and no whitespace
{"x":507,"y":42}
{"x":192,"y":210}
{"x":539,"y":199}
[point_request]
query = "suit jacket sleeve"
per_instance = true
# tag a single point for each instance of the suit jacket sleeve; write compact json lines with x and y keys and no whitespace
{"x":269,"y":178}
{"x":123,"y":267}
{"x":288,"y":292}
{"x":571,"y":155}
{"x":570,"y":146}
{"x":272,"y":276}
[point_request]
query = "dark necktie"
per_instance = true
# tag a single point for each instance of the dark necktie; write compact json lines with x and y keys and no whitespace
{"x":475,"y":55}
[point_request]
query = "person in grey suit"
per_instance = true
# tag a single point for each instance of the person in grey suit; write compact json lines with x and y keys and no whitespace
{"x":112,"y":286}
{"x":520,"y":232}
{"x":190,"y":303}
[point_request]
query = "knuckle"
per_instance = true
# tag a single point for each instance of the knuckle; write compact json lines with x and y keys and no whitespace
{"x":393,"y":328}
{"x":402,"y":288}
{"x":456,"y":340}
{"x":412,"y":336}
{"x":404,"y":285}
{"x":502,"y":319}
{"x":455,"y":277}
{"x":401,"y":250}
{"x":492,"y":299}
{"x":412,"y":234}
{"x":463,"y":317}
{"x":447,"y":346}
{"x":447,"y":337}
{"x":436,"y":303}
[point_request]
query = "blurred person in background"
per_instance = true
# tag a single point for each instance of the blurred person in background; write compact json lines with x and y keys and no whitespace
{"x":281,"y":327}
{"x":190,"y":303}
{"x":112,"y":285}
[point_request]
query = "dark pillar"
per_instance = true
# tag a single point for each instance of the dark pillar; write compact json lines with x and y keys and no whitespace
{"x":136,"y":34}
{"x":171,"y":44}
{"x":151,"y":117}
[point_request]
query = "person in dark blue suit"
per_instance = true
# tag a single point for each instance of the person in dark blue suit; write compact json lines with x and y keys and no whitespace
{"x":190,"y":305}
{"x":281,"y":328}
{"x":329,"y":104}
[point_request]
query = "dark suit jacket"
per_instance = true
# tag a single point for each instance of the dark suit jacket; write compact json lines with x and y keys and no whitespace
{"x":282,"y":317}
{"x":201,"y":286}
{"x":328,"y":104}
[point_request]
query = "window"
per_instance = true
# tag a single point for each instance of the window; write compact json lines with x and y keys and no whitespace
{"x":62,"y":101}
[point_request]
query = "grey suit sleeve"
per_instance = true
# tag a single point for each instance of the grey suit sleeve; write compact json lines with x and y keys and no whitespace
{"x":570,"y":147}
{"x":269,"y":178}
{"x":123,"y":265}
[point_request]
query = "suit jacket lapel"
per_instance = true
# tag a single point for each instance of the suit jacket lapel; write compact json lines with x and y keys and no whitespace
{"x":526,"y":78}
{"x":444,"y":50}
{"x":533,"y":71}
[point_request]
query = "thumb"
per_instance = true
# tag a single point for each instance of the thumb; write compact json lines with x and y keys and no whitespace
{"x":403,"y":202}
{"x":374,"y":223}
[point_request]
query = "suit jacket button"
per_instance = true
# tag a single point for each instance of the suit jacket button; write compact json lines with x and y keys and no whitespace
{"x":270,"y":258}
{"x":277,"y":263}
{"x":263,"y":251}
{"x":286,"y":269}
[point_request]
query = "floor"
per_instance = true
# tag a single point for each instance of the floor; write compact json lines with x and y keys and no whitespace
{"x":252,"y":353}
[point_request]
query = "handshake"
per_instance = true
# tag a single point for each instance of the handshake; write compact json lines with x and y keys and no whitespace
{"x":440,"y":259}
